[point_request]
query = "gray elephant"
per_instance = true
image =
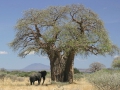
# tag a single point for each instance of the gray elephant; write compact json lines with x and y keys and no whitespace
{"x":37,"y":77}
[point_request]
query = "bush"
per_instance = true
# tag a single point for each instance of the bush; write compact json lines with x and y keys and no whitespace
{"x":2,"y":76}
{"x":20,"y":73}
{"x":77,"y":77}
{"x":103,"y":80}
{"x":116,"y":62}
{"x":76,"y":71}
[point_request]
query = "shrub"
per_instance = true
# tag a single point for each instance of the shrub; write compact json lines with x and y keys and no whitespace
{"x":116,"y":62}
{"x":20,"y":79}
{"x":20,"y":73}
{"x":2,"y":76}
{"x":78,"y":76}
{"x":105,"y":80}
{"x":76,"y":71}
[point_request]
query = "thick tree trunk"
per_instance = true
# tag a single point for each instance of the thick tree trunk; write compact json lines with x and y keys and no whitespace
{"x":69,"y":71}
{"x":57,"y":65}
{"x":57,"y":70}
{"x":61,"y":68}
{"x":52,"y":71}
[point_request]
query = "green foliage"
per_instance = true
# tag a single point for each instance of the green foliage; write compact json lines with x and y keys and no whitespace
{"x":9,"y":75}
{"x":78,"y":76}
{"x":116,"y":63}
{"x":103,"y":80}
{"x":76,"y":71}
{"x":64,"y":27}
{"x":2,"y":76}
{"x":21,"y":73}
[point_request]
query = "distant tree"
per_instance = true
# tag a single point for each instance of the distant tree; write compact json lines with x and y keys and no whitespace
{"x":3,"y":70}
{"x":61,"y":32}
{"x":96,"y":66}
{"x":116,"y":62}
{"x":76,"y":70}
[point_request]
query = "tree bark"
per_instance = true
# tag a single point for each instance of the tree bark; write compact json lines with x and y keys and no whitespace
{"x":69,"y":71}
{"x":57,"y":65}
{"x":52,"y":71}
{"x":57,"y":70}
{"x":61,"y":68}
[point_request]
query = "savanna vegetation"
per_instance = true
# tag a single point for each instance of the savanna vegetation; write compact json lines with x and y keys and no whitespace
{"x":105,"y":79}
{"x":60,"y":33}
{"x":116,"y":62}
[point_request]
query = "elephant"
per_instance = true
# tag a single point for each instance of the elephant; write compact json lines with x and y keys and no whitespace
{"x":43,"y":74}
{"x":37,"y":77}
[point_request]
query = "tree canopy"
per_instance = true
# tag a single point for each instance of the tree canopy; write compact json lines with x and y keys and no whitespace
{"x":96,"y":66}
{"x":66,"y":27}
{"x":116,"y":62}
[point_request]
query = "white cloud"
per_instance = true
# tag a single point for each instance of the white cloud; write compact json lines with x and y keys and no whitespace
{"x":3,"y":52}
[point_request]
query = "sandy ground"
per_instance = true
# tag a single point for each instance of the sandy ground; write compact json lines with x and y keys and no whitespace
{"x":23,"y":84}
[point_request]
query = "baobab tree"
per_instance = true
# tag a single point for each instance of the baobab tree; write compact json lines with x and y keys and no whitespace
{"x":96,"y":66}
{"x":61,"y":33}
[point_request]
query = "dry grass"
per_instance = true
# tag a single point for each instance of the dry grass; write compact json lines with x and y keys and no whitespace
{"x":23,"y":84}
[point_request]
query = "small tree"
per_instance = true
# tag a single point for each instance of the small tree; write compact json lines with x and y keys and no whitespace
{"x":96,"y":66}
{"x":76,"y":71}
{"x":116,"y":62}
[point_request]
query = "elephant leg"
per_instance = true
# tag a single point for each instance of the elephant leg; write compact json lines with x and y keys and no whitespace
{"x":39,"y":81}
{"x":43,"y":80}
{"x":30,"y":82}
{"x":33,"y":82}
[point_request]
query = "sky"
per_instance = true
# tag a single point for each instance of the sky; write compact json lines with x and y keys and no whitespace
{"x":12,"y":10}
